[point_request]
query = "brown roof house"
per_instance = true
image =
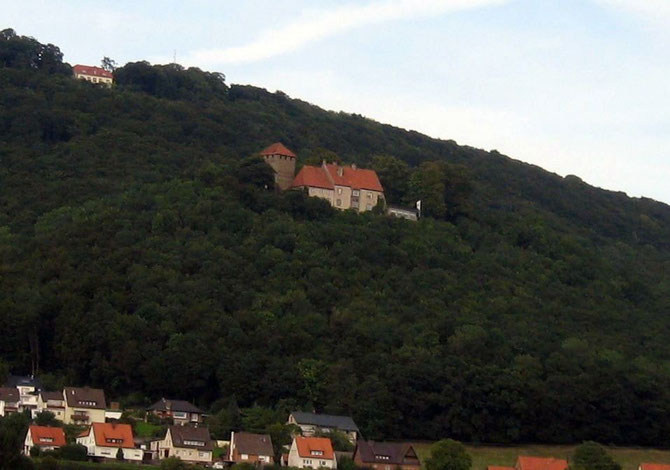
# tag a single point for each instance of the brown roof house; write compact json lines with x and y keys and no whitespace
{"x":181,"y":412}
{"x":53,"y":402}
{"x":84,"y":405}
{"x":193,"y":445}
{"x":312,"y":423}
{"x":344,"y":187}
{"x":249,"y":447}
{"x":9,"y":400}
{"x":386,"y":456}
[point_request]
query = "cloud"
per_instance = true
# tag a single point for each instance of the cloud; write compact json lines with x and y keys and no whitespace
{"x":319,"y":24}
{"x":653,"y":11}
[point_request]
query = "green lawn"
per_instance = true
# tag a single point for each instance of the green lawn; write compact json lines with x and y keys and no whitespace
{"x":143,"y":429}
{"x":483,"y":456}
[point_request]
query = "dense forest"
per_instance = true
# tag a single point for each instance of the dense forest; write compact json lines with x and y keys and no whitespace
{"x":141,"y":252}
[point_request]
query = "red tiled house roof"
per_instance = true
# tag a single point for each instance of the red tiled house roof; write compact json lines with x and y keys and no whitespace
{"x":47,"y":436}
{"x":540,"y":463}
{"x":92,"y":70}
{"x":278,"y":149}
{"x":111,"y":435}
{"x":319,"y":447}
{"x":330,"y":175}
{"x":654,"y":466}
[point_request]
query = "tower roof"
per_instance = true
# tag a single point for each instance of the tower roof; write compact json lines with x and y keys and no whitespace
{"x":278,"y":149}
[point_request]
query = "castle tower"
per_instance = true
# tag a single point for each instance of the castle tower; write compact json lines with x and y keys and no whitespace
{"x":282,"y":160}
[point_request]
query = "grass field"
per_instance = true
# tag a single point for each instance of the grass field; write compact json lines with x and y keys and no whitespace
{"x":483,"y":456}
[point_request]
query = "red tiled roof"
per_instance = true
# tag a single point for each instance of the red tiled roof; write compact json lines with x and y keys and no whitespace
{"x":315,"y":447}
{"x":355,"y":177}
{"x":319,"y":177}
{"x":654,"y":466}
{"x":541,"y":463}
{"x":313,"y":176}
{"x":92,"y":70}
{"x":497,"y":467}
{"x":47,"y":436}
{"x":278,"y":149}
{"x":113,"y":435}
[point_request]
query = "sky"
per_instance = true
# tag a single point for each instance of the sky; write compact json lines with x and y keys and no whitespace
{"x":577,"y":87}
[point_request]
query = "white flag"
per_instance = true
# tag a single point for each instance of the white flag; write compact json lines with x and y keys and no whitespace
{"x":418,"y":205}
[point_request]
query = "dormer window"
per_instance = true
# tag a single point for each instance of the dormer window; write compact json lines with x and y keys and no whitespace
{"x":316,"y":452}
{"x":194,"y":443}
{"x":111,"y":440}
{"x":87,"y":403}
{"x":382,"y":457}
{"x":46,"y":439}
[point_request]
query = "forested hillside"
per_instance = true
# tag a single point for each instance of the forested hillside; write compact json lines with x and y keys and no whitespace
{"x":140,"y":252}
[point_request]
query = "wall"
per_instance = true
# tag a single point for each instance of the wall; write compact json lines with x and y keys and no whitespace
{"x":284,"y":168}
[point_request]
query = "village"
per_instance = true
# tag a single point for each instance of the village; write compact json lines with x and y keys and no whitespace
{"x":104,"y":438}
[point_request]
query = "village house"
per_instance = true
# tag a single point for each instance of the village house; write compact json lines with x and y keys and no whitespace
{"x":181,"y":412}
{"x":43,"y":437}
{"x":540,"y":463}
{"x":251,"y":448}
{"x":311,"y":452}
{"x":312,"y":423}
{"x":386,"y":456}
{"x":84,"y":405}
{"x":282,"y":161}
{"x":103,"y":441}
{"x":9,"y":400}
{"x":93,"y":74}
{"x":54,"y":402}
{"x":344,"y":187}
{"x":28,"y":387}
{"x":192,"y":445}
{"x":654,"y":466}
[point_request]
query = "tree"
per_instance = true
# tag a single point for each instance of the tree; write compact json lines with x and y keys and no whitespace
{"x":108,"y":64}
{"x":448,"y":454}
{"x":394,"y":175}
{"x":592,"y":456}
{"x":76,"y":452}
{"x":119,"y":455}
{"x":255,"y":171}
{"x":47,"y":418}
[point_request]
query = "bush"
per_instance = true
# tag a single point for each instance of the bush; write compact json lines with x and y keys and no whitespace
{"x":74,"y":452}
{"x":49,"y":463}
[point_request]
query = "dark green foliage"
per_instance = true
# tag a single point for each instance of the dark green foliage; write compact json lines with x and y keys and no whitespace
{"x":73,"y":452}
{"x":23,"y":52}
{"x":13,"y":429}
{"x":592,"y":456}
{"x":137,"y":239}
{"x":448,"y":454}
{"x":47,"y":418}
{"x":339,"y":440}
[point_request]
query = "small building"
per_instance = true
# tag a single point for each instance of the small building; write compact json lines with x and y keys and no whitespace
{"x":43,"y":437}
{"x":249,"y":447}
{"x":654,"y":466}
{"x":9,"y":400}
{"x":312,"y":423}
{"x":103,"y":441}
{"x":282,"y":161}
{"x":403,"y":212}
{"x":540,"y":463}
{"x":192,"y":445}
{"x":93,"y":74}
{"x":386,"y":456}
{"x":344,"y":187}
{"x":28,"y":387}
{"x":311,"y":452}
{"x":53,"y":402}
{"x":179,"y":411}
{"x":84,"y":405}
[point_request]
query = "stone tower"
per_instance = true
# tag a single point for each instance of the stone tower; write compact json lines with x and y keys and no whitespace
{"x":282,"y":161}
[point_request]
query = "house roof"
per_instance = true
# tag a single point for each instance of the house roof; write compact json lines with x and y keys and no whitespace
{"x":23,"y":381}
{"x":390,"y":453}
{"x":319,"y":447}
{"x":541,"y":463}
{"x":498,"y":467}
{"x":52,"y":396}
{"x":174,"y":405}
{"x":92,"y":398}
{"x":112,"y":435}
{"x":654,"y":466}
{"x":343,"y":423}
{"x":330,"y":175}
{"x":252,"y":444}
{"x":185,"y":436}
{"x":92,"y":70}
{"x":9,"y":394}
{"x":47,"y":436}
{"x":278,"y":149}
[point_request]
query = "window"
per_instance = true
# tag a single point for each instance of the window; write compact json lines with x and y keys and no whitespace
{"x":368,"y":207}
{"x":179,"y":414}
{"x":339,"y":202}
{"x":110,"y":440}
{"x":47,"y":439}
{"x":339,"y":190}
{"x":245,"y":456}
{"x":369,"y":195}
{"x":202,"y":454}
{"x":323,"y":463}
{"x":356,"y":192}
{"x":316,"y":452}
{"x":194,"y":443}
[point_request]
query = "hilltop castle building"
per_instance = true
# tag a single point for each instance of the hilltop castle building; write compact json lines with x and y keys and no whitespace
{"x":282,"y":161}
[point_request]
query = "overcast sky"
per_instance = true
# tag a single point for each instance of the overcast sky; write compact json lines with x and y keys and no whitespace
{"x":575,"y":86}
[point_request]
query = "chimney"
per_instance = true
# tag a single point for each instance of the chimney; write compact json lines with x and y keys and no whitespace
{"x":353,"y":166}
{"x":340,"y":170}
